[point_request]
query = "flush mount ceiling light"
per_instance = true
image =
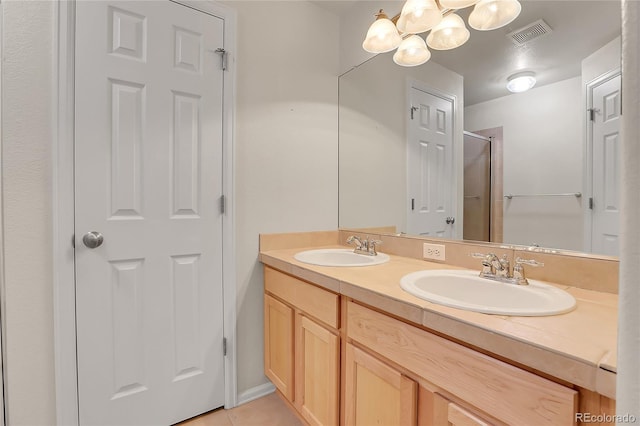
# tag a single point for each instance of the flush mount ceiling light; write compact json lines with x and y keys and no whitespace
{"x":521,"y":82}
{"x":448,"y":30}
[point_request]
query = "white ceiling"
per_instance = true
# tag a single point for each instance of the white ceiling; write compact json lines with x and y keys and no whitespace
{"x":489,"y":57}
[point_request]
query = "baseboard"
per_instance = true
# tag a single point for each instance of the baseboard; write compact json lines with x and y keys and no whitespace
{"x":255,"y":393}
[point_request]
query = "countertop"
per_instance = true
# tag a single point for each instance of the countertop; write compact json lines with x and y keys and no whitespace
{"x":578,"y":347}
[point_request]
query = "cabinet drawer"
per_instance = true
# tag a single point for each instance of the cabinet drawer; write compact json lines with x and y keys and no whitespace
{"x":450,"y":413}
{"x":316,"y":302}
{"x":508,"y":393}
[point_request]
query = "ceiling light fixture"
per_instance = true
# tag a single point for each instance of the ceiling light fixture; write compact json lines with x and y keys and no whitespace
{"x":521,"y":82}
{"x":382,"y":35}
{"x":448,"y":30}
{"x":411,"y":52}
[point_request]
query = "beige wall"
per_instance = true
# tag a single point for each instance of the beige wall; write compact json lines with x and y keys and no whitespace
{"x":285,"y":171}
{"x":27,"y":128}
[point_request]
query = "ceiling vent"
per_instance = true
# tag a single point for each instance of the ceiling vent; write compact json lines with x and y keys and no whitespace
{"x":529,"y":33}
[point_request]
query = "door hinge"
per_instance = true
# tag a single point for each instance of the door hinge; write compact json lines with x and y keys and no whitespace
{"x":223,"y":57}
{"x":592,"y":113}
{"x":413,"y":204}
{"x":223,"y":204}
{"x":590,"y":203}
{"x":73,"y":241}
{"x":413,"y":109}
{"x":224,"y":346}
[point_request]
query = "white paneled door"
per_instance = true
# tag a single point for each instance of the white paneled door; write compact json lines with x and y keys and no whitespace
{"x":606,"y":167}
{"x":148,"y":178}
{"x":431,"y":186}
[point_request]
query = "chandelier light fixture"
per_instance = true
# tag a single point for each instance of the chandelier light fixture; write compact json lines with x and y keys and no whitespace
{"x":447,"y":29}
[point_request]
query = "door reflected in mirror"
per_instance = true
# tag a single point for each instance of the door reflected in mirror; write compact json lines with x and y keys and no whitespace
{"x":553,"y":169}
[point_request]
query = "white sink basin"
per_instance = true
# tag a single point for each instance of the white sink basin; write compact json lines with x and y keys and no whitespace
{"x":339,"y":257}
{"x":466,"y":290}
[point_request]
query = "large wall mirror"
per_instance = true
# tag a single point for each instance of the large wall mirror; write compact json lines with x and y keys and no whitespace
{"x":528,"y":168}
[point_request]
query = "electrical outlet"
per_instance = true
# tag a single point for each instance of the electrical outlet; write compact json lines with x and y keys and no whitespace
{"x":433,"y":251}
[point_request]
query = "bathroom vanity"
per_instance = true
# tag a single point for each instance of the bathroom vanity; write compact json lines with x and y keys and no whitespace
{"x":346,"y":345}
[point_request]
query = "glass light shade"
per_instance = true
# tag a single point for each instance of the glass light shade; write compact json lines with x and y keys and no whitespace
{"x":418,"y":16}
{"x":491,"y":14}
{"x":457,"y":4}
{"x":521,"y":82}
{"x":448,"y":34}
{"x":411,"y":52}
{"x":382,"y":36}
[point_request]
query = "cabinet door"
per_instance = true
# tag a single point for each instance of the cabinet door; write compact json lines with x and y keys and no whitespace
{"x":447,"y":413}
{"x":278,"y":345}
{"x":376,"y":394}
{"x":317,"y":372}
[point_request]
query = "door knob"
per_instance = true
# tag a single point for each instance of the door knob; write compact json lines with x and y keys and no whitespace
{"x":450,"y":220}
{"x":92,"y":239}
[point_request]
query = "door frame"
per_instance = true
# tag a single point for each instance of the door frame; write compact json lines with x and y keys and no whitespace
{"x":587,"y":178}
{"x":2,"y":288}
{"x":456,"y":157}
{"x":63,"y":218}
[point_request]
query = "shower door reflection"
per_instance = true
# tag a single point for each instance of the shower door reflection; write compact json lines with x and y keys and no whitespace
{"x":477,"y":187}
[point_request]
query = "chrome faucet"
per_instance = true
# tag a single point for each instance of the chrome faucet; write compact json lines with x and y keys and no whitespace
{"x":499,"y":269}
{"x":356,"y":240}
{"x":492,"y":265}
{"x":368,"y":246}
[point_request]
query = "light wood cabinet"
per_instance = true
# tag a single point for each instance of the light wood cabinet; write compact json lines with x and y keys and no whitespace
{"x":376,"y":394}
{"x":508,"y":393}
{"x":345,"y":363}
{"x":447,"y":413}
{"x":317,"y":372}
{"x":278,"y":345}
{"x":302,"y":346}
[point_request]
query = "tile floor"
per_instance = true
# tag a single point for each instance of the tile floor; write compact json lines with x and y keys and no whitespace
{"x":266,"y":411}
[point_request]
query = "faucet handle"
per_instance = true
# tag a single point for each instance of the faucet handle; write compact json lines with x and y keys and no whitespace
{"x":478,"y":255}
{"x":530,"y":262}
{"x":372,"y":246}
{"x":518,"y":271}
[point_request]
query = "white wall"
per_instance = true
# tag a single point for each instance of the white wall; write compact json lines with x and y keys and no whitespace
{"x":285,"y":160}
{"x":601,"y":61}
{"x":543,"y":153}
{"x":27,"y":129}
{"x":286,"y":145}
{"x":374,"y":108}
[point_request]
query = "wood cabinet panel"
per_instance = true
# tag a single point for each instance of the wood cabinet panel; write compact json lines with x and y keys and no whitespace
{"x":317,"y":372}
{"x":506,"y":392}
{"x":315,"y":301}
{"x":278,"y":345}
{"x":454,"y":415}
{"x":595,"y":404}
{"x":376,"y":394}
